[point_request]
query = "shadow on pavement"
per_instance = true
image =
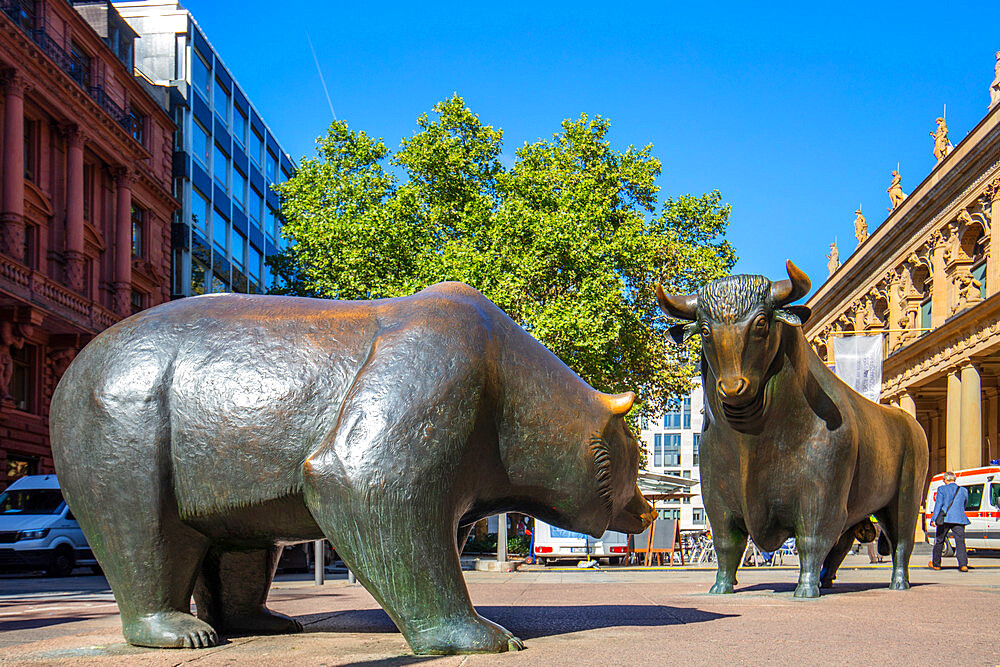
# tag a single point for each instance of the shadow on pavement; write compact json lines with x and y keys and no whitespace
{"x":529,"y":622}
{"x":838,"y":588}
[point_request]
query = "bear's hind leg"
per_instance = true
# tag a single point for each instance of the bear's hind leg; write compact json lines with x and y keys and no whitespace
{"x":151,"y":563}
{"x":232,"y":589}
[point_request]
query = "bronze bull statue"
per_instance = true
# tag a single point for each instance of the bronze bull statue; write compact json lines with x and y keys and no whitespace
{"x":787,"y":448}
{"x":194,"y":439}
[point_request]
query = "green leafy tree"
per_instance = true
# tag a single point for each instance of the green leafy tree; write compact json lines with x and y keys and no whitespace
{"x":568,"y":241}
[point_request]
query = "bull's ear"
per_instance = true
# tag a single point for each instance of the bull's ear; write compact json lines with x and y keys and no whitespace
{"x":679,"y":333}
{"x":795,"y":316}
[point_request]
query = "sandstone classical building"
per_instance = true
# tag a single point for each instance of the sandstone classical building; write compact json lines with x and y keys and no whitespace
{"x":85,"y":203}
{"x":929,"y":279}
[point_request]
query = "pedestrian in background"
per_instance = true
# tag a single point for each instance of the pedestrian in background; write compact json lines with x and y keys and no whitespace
{"x":949,"y":516}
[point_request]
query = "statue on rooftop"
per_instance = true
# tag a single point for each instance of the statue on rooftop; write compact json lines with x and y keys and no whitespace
{"x":995,"y":86}
{"x":834,"y":258}
{"x":860,"y":227}
{"x":896,"y":194}
{"x":941,"y":144}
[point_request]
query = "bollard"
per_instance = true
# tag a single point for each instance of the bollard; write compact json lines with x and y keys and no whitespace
{"x":502,"y":538}
{"x":318,"y":561}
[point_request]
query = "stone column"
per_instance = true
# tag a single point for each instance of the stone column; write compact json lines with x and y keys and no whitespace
{"x":953,"y":422}
{"x":972,"y":417}
{"x":123,"y":242}
{"x":934,"y":443}
{"x":12,"y":206}
{"x":991,"y":422}
{"x":993,"y":256}
{"x":907,"y":403}
{"x":73,"y":254}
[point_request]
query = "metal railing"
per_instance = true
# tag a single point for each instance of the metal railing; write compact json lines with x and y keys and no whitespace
{"x":75,"y":68}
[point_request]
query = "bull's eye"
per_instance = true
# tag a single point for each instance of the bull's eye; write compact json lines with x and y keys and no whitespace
{"x":706,"y":331}
{"x":760,"y":325}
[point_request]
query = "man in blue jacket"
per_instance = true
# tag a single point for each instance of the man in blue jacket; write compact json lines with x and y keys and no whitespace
{"x":951,"y":499}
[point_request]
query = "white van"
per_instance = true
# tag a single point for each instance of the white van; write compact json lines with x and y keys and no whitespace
{"x":553,"y":543}
{"x":37,"y":530}
{"x":982,"y":508}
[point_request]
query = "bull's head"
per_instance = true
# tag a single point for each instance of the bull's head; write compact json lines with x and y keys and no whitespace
{"x":738,"y":318}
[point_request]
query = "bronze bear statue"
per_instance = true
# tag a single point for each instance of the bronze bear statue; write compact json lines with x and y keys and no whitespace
{"x":194,"y":439}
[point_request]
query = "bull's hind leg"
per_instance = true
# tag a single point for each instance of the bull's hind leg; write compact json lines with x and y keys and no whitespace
{"x":836,"y":556}
{"x":232,"y":590}
{"x":388,"y":486}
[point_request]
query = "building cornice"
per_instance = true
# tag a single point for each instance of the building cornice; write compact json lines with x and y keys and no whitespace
{"x":956,"y":181}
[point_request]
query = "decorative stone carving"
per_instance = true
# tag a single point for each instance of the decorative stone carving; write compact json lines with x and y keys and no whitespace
{"x":941,"y":144}
{"x":967,"y":291}
{"x":12,"y":335}
{"x":896,"y":194}
{"x":834,"y":259}
{"x":860,"y":226}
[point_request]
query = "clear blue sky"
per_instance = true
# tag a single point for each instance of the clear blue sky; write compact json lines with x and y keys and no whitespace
{"x":795,"y":113}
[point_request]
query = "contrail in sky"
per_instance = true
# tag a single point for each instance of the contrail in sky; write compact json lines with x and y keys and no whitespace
{"x":321,"y":79}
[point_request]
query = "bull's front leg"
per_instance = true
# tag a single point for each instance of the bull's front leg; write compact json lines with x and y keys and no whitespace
{"x":730,"y":544}
{"x":813,"y":549}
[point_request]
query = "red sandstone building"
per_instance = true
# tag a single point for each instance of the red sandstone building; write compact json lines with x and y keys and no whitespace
{"x":85,"y":203}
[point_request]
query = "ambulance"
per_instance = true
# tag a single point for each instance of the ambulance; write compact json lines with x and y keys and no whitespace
{"x":553,"y":543}
{"x":982,"y":507}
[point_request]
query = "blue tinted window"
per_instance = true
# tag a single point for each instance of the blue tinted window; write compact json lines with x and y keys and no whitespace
{"x":658,"y":450}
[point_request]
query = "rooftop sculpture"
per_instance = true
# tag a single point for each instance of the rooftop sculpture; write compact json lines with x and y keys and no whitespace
{"x":194,"y":439}
{"x":860,"y":227}
{"x":896,"y":194}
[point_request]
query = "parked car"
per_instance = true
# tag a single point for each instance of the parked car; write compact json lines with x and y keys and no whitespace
{"x":38,"y":531}
{"x":552,"y":543}
{"x":982,"y":508}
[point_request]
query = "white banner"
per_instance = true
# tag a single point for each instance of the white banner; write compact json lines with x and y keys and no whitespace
{"x":858,"y":362}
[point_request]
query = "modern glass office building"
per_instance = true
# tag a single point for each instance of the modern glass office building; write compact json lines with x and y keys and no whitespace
{"x":225,"y":157}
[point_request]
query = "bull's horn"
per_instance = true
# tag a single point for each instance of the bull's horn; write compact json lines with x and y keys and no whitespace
{"x":620,"y":404}
{"x":682,"y":307}
{"x":793,"y":289}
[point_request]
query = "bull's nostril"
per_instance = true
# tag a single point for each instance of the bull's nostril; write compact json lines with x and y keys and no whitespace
{"x":732,"y":388}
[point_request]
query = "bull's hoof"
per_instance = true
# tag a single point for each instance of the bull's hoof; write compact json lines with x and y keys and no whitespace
{"x":266,"y":622}
{"x":899,"y":585}
{"x":807,"y":591}
{"x":472,"y":635}
{"x":722,"y":588}
{"x":826,"y":583}
{"x":170,"y":629}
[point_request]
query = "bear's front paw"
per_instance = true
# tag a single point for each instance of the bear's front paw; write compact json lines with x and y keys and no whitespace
{"x":463,"y":635}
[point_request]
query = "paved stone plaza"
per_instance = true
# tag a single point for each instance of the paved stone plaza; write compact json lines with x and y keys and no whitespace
{"x":568,"y":616}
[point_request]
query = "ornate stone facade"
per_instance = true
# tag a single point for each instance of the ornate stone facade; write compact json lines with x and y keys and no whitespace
{"x":929,"y":280}
{"x":85,"y":204}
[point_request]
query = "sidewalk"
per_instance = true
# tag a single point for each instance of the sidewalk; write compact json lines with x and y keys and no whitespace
{"x":591,"y":617}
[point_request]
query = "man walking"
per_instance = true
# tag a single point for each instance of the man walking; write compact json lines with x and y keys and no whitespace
{"x":949,"y":515}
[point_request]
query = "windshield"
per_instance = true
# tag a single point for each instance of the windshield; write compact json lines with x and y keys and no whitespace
{"x":30,"y":501}
{"x":975,"y":497}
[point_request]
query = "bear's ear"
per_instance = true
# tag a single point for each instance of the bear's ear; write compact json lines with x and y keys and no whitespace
{"x":620,"y":404}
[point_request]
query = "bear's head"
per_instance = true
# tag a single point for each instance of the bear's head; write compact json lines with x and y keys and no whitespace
{"x":579,"y":471}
